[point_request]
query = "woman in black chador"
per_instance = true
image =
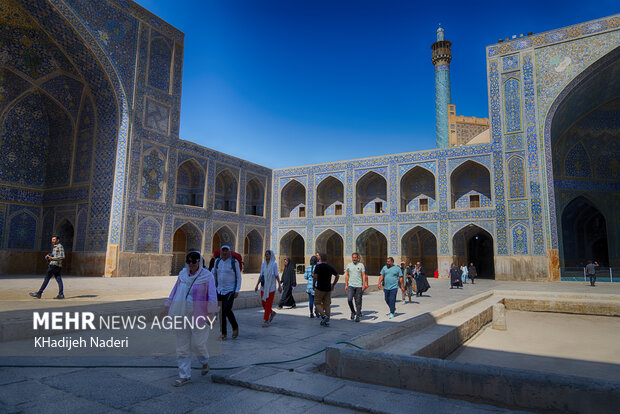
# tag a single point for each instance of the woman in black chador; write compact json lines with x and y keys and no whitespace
{"x":289,"y":281}
{"x":422,"y":284}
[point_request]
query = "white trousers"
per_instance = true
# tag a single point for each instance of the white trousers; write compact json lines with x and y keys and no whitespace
{"x":189,"y":340}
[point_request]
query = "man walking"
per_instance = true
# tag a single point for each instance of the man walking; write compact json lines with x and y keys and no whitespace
{"x":472,"y":272}
{"x":323,"y":287}
{"x":355,"y":283}
{"x":591,"y":272}
{"x":227,"y":276}
{"x":54,"y":268}
{"x":391,"y":279}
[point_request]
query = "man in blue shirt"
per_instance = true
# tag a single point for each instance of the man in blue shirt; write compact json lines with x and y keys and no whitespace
{"x":390,"y":280}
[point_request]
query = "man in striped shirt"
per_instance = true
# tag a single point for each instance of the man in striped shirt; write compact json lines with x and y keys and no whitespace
{"x":55,"y":259}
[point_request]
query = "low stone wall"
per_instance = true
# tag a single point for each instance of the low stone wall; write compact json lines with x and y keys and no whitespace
{"x":144,"y":264}
{"x":505,"y":387}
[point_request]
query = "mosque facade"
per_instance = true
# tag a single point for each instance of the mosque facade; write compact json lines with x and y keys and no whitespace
{"x":89,"y":135}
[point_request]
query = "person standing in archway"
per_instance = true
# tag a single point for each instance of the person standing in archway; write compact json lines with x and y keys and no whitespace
{"x":591,"y":271}
{"x":54,"y":268}
{"x":355,"y":283}
{"x":472,"y":272}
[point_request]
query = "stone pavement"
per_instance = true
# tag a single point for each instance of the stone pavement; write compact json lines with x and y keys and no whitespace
{"x":295,"y":385}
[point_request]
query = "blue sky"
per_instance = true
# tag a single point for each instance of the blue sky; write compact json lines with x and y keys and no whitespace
{"x":284,"y":83}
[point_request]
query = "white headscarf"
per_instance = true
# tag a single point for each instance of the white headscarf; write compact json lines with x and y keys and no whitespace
{"x":182,"y":302}
{"x":269,"y":270}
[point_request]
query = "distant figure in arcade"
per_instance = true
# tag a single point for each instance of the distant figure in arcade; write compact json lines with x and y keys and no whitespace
{"x":472,"y":273}
{"x":455,"y":277}
{"x":289,"y":282}
{"x":464,"y":273}
{"x":591,"y":271}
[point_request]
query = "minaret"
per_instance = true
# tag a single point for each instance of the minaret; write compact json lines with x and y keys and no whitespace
{"x":441,"y":59}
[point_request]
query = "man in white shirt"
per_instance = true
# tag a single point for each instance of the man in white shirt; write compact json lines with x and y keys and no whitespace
{"x":228,"y":281}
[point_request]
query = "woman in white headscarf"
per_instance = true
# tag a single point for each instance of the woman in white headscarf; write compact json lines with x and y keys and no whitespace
{"x":267,"y":281}
{"x":193,"y":297}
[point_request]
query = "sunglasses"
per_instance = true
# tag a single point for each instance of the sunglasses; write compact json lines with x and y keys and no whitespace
{"x":188,"y":261}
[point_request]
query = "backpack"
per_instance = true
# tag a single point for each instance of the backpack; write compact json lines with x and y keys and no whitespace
{"x":234,"y":258}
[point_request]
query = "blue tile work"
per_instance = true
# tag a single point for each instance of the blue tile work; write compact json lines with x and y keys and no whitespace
{"x":510,"y":63}
{"x":514,"y":142}
{"x":149,"y":233}
{"x":13,"y":85}
{"x":442,"y":100}
{"x":67,"y":91}
{"x":3,"y":210}
{"x":577,"y":162}
{"x":153,"y":179}
{"x":516,"y":177}
{"x":519,"y":239}
{"x":82,"y":221}
{"x":84,"y":143}
{"x":512,"y":105}
{"x":160,"y":61}
{"x":22,"y":225}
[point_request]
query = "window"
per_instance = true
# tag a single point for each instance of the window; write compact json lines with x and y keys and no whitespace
{"x":255,"y":210}
{"x":339,"y":209}
{"x":322,"y":208}
{"x":424,"y":204}
{"x":302,"y":211}
{"x":378,"y":207}
{"x":474,"y":201}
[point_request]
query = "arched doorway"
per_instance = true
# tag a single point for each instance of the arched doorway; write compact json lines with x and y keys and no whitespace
{"x":292,"y":245}
{"x":581,"y":130}
{"x":254,"y":198}
{"x":223,"y":237}
{"x":371,"y":194}
{"x":330,"y":243}
{"x":584,"y":234}
{"x":225,"y":192}
{"x":420,"y":245}
{"x":372,"y":246}
{"x":190,"y":184}
{"x":330,"y":197}
{"x":65,"y":232}
{"x":252,"y":252}
{"x":187,"y":237}
{"x":293,"y":200}
{"x":470,"y":186}
{"x":473,"y":244}
{"x":417,"y":190}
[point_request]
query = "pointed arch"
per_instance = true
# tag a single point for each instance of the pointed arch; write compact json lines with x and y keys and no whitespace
{"x":371,"y":194}
{"x":330,"y":242}
{"x":225,"y":191}
{"x":148,"y":236}
{"x":190,"y":183}
{"x":419,"y":245}
{"x":224,"y":236}
{"x":474,"y":244}
{"x":293,"y":200}
{"x":293,"y":246}
{"x":470,"y":186}
{"x":252,"y":251}
{"x":254,"y":198}
{"x":371,"y":244}
{"x":417,"y":190}
{"x":584,"y":233}
{"x":330,"y":197}
{"x":22,"y":232}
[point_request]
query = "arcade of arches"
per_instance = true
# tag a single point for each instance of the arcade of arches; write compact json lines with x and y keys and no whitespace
{"x":190,"y":184}
{"x":187,"y":237}
{"x":330,"y":197}
{"x":420,"y":245}
{"x":371,"y":194}
{"x":293,"y":200}
{"x":470,"y":185}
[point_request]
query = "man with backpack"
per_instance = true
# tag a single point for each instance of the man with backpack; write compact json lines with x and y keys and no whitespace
{"x":227,"y":275}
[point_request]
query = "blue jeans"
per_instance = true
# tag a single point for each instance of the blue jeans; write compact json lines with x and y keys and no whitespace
{"x":52,"y":271}
{"x":390,"y":298}
{"x":311,"y":302}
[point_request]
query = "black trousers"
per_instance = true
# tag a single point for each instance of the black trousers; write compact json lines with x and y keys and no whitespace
{"x":592,"y":279}
{"x":52,"y":271}
{"x":226,"y":303}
